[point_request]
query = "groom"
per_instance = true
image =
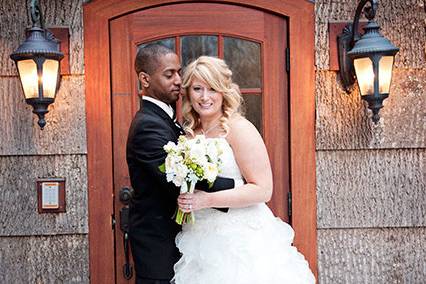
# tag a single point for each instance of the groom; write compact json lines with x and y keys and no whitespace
{"x":152,"y":229}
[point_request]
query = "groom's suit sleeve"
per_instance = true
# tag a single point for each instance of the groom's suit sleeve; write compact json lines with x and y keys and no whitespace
{"x":219,"y":184}
{"x":148,"y":142}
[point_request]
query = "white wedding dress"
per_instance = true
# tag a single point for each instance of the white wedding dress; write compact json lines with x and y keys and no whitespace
{"x":244,"y":246}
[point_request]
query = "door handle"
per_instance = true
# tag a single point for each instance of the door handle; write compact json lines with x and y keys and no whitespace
{"x":125,"y":196}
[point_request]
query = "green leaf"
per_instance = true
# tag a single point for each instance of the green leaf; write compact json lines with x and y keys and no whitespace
{"x":162,"y":167}
{"x":210,"y":184}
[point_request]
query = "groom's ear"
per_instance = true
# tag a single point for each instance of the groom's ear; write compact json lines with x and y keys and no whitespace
{"x":144,"y":78}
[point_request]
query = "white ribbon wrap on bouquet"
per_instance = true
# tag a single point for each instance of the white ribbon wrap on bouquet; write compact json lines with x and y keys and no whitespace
{"x":184,"y":188}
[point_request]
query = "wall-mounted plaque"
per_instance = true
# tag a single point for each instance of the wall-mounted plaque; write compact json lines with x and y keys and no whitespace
{"x":51,"y":195}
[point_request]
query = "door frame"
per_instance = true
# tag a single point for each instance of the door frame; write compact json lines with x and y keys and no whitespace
{"x":96,"y":15}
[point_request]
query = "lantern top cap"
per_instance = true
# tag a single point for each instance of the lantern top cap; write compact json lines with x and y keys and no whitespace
{"x":38,"y":44}
{"x":372,"y":42}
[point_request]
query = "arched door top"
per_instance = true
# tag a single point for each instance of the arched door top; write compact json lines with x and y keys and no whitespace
{"x":110,"y":9}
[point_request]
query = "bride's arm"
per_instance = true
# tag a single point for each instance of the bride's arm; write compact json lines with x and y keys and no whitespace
{"x":253,"y":161}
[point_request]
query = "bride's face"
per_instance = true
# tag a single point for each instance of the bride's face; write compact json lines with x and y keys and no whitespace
{"x":205,"y":101}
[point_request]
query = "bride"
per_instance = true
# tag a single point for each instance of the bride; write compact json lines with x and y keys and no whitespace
{"x":246,"y":245}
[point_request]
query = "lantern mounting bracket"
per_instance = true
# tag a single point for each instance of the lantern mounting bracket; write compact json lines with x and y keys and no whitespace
{"x":36,"y":14}
{"x":346,"y":41}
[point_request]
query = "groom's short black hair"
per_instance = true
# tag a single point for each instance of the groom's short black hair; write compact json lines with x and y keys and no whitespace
{"x":147,"y":58}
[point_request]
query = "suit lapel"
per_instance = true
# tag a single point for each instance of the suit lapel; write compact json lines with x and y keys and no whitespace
{"x":150,"y":106}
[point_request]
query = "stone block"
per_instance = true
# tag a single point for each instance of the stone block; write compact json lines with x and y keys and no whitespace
{"x":371,"y":188}
{"x":372,"y":256}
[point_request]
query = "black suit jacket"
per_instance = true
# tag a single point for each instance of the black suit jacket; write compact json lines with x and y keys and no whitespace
{"x":152,"y":229}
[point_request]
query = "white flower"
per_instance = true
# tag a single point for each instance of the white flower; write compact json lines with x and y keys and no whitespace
{"x":197,"y":150}
{"x":178,"y":181}
{"x":210,"y":172}
{"x":192,"y":177}
{"x":212,"y":151}
{"x":197,"y":154}
{"x":170,"y":176}
{"x":169,"y":147}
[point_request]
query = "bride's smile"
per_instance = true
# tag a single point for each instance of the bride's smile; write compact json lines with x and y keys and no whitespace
{"x":206,"y":101}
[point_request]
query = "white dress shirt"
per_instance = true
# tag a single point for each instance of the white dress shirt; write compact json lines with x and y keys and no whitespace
{"x":166,"y":107}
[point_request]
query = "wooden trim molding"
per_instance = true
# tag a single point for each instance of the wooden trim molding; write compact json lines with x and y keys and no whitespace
{"x":97,"y":15}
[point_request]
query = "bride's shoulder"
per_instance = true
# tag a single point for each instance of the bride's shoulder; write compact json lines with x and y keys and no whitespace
{"x":241,"y":127}
{"x":238,"y":121}
{"x":243,"y":136}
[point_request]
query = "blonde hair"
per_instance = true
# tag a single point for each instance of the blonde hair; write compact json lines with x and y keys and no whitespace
{"x":215,"y":73}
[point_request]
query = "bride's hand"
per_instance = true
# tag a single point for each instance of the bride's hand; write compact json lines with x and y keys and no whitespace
{"x":193,"y":201}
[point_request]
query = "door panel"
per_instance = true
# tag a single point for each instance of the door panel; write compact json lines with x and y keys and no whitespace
{"x":193,"y":46}
{"x":253,"y":109}
{"x":253,"y":44}
{"x":197,"y":18}
{"x":244,"y":59}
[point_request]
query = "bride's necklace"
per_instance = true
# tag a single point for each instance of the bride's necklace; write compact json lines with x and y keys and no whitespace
{"x":205,"y":132}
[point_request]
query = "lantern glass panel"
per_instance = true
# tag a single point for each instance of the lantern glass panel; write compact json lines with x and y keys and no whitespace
{"x":365,"y":75}
{"x":28,"y":73}
{"x":50,"y":77}
{"x":385,"y":74}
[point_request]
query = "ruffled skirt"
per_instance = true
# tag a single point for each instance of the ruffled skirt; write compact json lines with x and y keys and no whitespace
{"x":244,"y":246}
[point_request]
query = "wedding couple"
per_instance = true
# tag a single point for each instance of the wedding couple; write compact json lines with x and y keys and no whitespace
{"x":244,"y":244}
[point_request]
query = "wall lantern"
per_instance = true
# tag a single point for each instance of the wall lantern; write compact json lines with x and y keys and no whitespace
{"x":372,"y":55}
{"x":37,"y":60}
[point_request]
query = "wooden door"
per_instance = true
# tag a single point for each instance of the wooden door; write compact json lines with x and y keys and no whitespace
{"x":252,"y":42}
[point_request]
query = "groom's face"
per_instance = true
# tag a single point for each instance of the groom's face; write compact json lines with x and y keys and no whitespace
{"x":165,"y":82}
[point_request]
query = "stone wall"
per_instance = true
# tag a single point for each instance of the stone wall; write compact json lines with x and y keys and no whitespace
{"x":42,"y":248}
{"x":371,"y":186}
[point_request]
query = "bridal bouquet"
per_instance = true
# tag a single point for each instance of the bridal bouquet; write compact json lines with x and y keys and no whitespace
{"x":190,"y":161}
